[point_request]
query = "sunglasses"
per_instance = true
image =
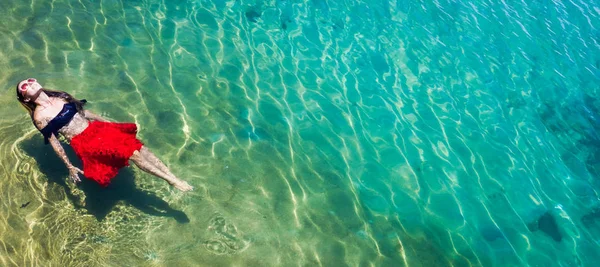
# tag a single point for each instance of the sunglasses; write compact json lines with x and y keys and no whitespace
{"x":23,"y":88}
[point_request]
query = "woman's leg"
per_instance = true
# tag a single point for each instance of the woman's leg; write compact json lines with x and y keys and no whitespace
{"x":149,"y":163}
{"x":149,"y":156}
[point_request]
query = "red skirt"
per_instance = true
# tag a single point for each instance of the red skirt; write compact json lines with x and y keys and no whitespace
{"x":104,"y":148}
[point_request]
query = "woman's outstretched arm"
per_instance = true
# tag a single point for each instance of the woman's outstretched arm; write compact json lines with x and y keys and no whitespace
{"x":73,"y":171}
{"x":92,"y":116}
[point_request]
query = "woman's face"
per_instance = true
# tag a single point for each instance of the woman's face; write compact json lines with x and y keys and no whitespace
{"x":30,"y":89}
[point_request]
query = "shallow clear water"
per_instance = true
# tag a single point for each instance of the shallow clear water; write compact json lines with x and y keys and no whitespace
{"x":386,"y":133}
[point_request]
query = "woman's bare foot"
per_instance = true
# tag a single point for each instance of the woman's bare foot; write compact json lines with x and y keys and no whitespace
{"x":182,"y":185}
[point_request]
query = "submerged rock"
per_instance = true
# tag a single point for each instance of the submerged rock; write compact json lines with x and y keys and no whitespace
{"x":591,"y":217}
{"x":253,"y":14}
{"x":492,"y":233}
{"x":547,"y":224}
{"x":284,"y":22}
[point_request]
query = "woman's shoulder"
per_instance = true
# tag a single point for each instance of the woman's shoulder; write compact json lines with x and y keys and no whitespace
{"x":41,"y":119}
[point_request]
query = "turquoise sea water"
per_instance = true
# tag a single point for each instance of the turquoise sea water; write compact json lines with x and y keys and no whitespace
{"x":316,"y":133}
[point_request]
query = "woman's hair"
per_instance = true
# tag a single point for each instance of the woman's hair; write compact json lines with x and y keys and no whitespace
{"x":30,"y":106}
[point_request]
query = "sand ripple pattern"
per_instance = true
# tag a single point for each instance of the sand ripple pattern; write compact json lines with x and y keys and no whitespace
{"x":227,"y":239}
{"x":317,"y":133}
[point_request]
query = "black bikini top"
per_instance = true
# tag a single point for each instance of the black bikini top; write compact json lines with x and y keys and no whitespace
{"x":63,"y":118}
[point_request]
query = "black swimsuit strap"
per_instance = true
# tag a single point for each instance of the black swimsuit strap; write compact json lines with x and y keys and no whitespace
{"x":63,"y":118}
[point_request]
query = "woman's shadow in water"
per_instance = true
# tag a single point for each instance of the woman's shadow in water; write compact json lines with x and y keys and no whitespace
{"x":99,"y":200}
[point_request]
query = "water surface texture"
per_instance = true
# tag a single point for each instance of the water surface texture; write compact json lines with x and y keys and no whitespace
{"x":315,"y":132}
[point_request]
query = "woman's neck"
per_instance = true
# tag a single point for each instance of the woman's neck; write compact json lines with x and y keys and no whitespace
{"x":43,"y":100}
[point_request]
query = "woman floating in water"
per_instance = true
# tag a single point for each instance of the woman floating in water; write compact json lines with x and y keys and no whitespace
{"x":103,"y":147}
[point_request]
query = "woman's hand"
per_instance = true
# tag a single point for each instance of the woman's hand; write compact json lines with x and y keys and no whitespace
{"x":74,"y":173}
